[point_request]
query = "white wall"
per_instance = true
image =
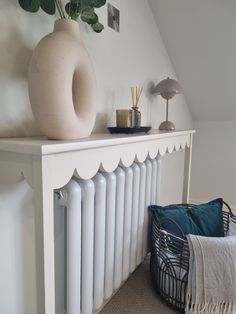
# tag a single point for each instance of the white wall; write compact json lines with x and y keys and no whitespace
{"x":135,"y":56}
{"x":213,"y":164}
{"x":198,"y":36}
{"x":17,"y":256}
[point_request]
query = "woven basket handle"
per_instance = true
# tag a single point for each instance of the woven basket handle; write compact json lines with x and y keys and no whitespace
{"x":230,"y":210}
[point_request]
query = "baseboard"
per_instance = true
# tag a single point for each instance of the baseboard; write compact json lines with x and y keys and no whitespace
{"x":197,"y":202}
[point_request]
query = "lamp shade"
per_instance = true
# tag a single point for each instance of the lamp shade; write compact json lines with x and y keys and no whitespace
{"x":168,"y":88}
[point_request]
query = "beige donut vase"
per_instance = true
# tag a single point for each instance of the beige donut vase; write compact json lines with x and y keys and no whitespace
{"x":62,"y":86}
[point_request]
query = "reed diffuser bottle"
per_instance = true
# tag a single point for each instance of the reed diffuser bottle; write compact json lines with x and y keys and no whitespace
{"x":136,"y":114}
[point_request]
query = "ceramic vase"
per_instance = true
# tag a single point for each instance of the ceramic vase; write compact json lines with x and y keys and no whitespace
{"x":62,"y":87}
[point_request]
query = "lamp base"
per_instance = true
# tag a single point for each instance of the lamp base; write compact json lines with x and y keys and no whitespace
{"x":167,"y":126}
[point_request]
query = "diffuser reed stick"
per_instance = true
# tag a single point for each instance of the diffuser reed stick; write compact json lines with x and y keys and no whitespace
{"x":136,"y":92}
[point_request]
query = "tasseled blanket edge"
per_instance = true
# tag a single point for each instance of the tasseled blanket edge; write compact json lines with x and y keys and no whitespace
{"x":216,"y":308}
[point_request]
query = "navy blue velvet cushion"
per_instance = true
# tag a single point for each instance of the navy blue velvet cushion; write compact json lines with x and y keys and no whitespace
{"x":204,"y":219}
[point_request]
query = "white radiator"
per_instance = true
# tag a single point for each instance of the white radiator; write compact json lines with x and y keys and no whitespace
{"x":106,"y":232}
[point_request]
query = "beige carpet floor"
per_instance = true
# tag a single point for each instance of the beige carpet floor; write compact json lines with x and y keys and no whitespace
{"x":137,"y":296}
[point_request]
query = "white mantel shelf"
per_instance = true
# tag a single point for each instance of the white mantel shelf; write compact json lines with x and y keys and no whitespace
{"x":84,"y":157}
{"x":43,"y":146}
{"x":48,"y":165}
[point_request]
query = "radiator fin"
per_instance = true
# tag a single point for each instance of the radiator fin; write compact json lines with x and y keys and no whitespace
{"x":87,"y":187}
{"x":119,"y":228}
{"x":107,"y":232}
{"x":110,"y":233}
{"x":99,"y":239}
{"x":127,"y":221}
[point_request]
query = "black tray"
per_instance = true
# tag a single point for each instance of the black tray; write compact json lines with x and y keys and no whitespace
{"x":144,"y":129}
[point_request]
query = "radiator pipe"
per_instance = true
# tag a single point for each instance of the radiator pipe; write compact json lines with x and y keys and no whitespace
{"x":70,"y":196}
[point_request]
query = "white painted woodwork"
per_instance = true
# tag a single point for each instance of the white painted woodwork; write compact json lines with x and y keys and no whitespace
{"x":49,"y":165}
{"x":44,"y":233}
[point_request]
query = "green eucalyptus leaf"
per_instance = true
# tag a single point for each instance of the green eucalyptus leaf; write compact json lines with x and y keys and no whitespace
{"x":87,"y":8}
{"x":72,"y":9}
{"x":98,"y":3}
{"x":89,"y":16}
{"x":67,"y":8}
{"x":86,"y":4}
{"x":74,"y":16}
{"x":29,"y":5}
{"x":94,"y":19}
{"x":97,"y":27}
{"x":48,"y":6}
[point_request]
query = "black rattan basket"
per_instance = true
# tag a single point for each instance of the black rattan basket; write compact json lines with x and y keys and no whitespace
{"x":169,"y":262}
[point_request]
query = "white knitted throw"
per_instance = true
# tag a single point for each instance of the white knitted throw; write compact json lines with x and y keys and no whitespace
{"x":212,"y":275}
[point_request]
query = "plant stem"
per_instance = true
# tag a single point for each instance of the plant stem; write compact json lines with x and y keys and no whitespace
{"x":60,"y":9}
{"x":60,"y":3}
{"x":69,"y":15}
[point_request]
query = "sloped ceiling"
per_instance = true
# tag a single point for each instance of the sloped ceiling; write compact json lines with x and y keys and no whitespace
{"x":200,"y":38}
